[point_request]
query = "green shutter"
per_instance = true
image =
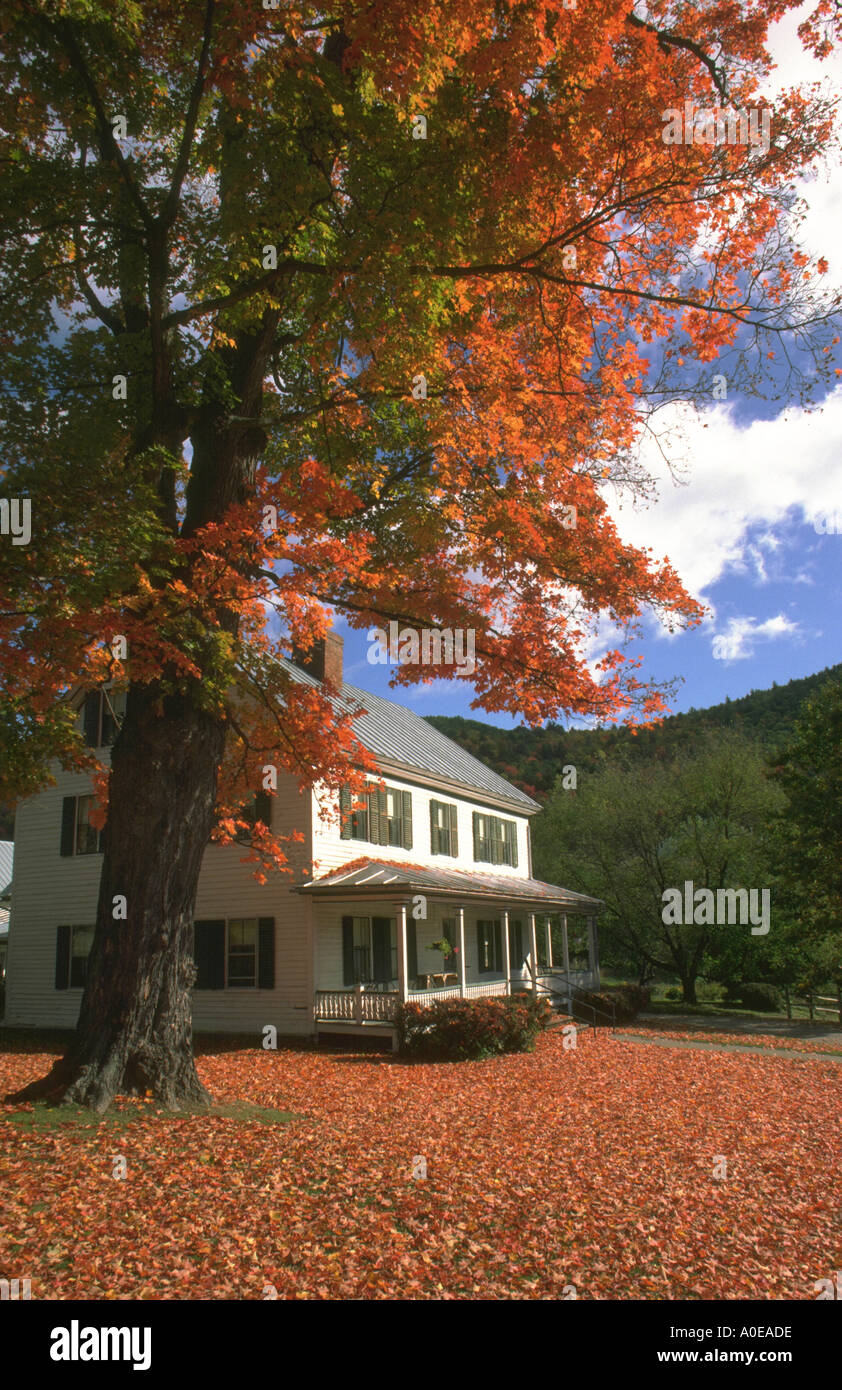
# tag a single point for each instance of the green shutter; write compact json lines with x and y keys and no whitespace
{"x":263,"y":809}
{"x":266,"y":953}
{"x":481,"y":948}
{"x":453,"y":811}
{"x":381,"y":932}
{"x":375,"y":819}
{"x":406,"y":819}
{"x":345,"y":802}
{"x":511,"y":836}
{"x":412,"y":952}
{"x":63,"y":957}
{"x":476,"y":834}
{"x":435,"y":843}
{"x":347,"y":950}
{"x":498,"y":946}
{"x":90,"y":719}
{"x":68,"y":824}
{"x":209,"y":954}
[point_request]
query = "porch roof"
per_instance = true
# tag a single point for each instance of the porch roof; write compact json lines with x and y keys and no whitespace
{"x":384,"y":878}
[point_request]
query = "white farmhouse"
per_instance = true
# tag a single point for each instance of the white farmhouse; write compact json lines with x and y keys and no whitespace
{"x":442,"y":855}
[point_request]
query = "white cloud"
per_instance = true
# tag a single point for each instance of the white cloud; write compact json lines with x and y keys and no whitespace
{"x":740,"y":478}
{"x":742,"y":634}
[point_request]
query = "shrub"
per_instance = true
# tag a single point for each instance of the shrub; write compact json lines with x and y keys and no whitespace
{"x":674,"y":992}
{"x":709,"y":992}
{"x":627,"y":1001}
{"x":756,"y":995}
{"x":471,"y":1028}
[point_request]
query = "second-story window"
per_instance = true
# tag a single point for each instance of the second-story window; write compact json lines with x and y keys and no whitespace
{"x":78,"y":836}
{"x":378,"y":817}
{"x":495,"y":840}
{"x":102,"y":715}
{"x":443,"y":829}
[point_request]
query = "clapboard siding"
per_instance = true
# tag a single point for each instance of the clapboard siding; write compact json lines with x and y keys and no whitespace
{"x":330,"y":851}
{"x":50,"y":890}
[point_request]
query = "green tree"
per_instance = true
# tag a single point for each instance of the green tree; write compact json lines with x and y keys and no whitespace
{"x":630,"y":832}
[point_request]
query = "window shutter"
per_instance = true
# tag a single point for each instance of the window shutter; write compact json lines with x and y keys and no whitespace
{"x":498,"y":946}
{"x":453,"y":812}
{"x":375,"y":832}
{"x":68,"y":824}
{"x":511,"y":835}
{"x":412,"y":952}
{"x":382,"y":942}
{"x":63,"y":957}
{"x":476,"y":834}
{"x":90,"y":718}
{"x":480,"y":947}
{"x":435,"y":845}
{"x":209,"y":954}
{"x":406,"y":819}
{"x":347,"y":950}
{"x":263,"y":808}
{"x":266,"y":953}
{"x":345,"y":813}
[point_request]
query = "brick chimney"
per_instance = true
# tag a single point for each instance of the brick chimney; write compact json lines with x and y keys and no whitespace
{"x":323,"y":660}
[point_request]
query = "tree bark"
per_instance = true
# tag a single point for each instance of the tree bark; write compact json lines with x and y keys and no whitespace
{"x":134,"y":1033}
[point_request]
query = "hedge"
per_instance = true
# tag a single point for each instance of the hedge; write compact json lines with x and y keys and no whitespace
{"x":471,"y":1028}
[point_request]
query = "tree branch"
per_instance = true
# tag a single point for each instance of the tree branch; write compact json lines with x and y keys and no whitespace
{"x":667,"y":40}
{"x":170,"y":208}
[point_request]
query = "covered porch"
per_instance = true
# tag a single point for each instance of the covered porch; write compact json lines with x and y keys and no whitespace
{"x":387,"y":933}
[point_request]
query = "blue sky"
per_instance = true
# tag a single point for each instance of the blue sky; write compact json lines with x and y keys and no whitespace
{"x":747,"y":527}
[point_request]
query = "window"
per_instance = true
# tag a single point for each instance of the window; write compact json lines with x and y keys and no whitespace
{"x":242,"y":953}
{"x":81,"y":942}
{"x":73,"y":946}
{"x":450,"y":932}
{"x":102,"y":715}
{"x":443,"y":829}
{"x":495,"y":840}
{"x":259,"y":808}
{"x":78,"y":836}
{"x":578,"y":942}
{"x":369,"y":950}
{"x":489,"y":947}
{"x":385,"y":819}
{"x":237,"y":954}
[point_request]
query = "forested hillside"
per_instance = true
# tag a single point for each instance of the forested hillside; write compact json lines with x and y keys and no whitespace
{"x":533,"y":758}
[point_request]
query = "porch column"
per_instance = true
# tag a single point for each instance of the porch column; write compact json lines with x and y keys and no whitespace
{"x":593,"y":951}
{"x":460,"y":918}
{"x":507,"y":955}
{"x":533,"y":947}
{"x":549,"y":943}
{"x":403,"y":968}
{"x":566,"y":950}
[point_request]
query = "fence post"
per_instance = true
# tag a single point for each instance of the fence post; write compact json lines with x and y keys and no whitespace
{"x":358,"y":1003}
{"x":810,"y":1004}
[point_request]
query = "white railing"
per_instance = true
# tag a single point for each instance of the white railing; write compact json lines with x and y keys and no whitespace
{"x":361,"y":1005}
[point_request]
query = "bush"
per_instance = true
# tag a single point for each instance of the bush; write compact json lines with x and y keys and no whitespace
{"x":471,"y":1028}
{"x":627,"y":1001}
{"x":709,"y":992}
{"x":762,"y":997}
{"x":674,"y":992}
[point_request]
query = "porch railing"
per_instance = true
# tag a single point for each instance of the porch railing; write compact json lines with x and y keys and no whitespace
{"x":357,"y":1005}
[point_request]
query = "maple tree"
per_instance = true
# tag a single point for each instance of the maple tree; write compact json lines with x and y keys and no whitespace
{"x":242,"y":274}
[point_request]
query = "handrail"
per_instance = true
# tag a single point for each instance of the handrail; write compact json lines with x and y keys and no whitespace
{"x":569,"y":992}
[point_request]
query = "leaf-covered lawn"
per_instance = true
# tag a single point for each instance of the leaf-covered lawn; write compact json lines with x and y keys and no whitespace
{"x":591,"y":1167}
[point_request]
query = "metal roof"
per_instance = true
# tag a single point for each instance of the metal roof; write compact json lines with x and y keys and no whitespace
{"x":7,"y":855}
{"x":396,"y":734}
{"x":374,"y":877}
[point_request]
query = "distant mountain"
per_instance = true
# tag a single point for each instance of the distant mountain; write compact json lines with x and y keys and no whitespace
{"x":533,"y":758}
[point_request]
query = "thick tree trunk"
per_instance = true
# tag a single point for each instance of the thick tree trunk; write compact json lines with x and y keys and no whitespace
{"x":135,"y":1031}
{"x":688,"y":989}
